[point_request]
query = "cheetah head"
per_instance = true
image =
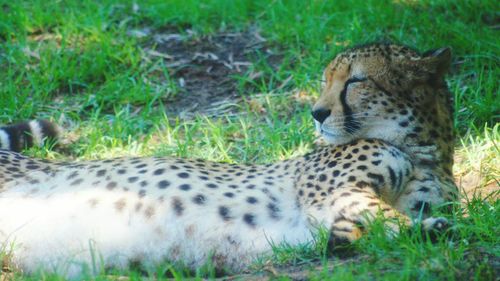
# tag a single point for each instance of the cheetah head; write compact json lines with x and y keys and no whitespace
{"x":387,"y":92}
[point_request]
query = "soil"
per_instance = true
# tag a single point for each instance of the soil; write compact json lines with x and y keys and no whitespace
{"x":205,"y":68}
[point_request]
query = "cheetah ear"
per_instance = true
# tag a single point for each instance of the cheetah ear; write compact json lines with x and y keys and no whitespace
{"x":437,"y":61}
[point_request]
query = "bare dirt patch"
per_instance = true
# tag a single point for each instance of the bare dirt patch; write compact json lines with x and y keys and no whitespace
{"x":206,"y":68}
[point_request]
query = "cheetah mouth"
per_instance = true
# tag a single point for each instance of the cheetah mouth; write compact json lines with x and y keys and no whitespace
{"x":330,"y":135}
{"x":334,"y":138}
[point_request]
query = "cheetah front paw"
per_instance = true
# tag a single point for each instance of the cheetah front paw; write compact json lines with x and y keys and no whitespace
{"x":435,"y":227}
{"x":438,"y":224}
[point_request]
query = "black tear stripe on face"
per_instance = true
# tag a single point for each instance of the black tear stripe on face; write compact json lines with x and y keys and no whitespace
{"x":351,"y":125}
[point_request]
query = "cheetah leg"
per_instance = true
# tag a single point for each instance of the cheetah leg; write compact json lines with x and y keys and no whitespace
{"x":425,"y":191}
{"x":354,"y":209}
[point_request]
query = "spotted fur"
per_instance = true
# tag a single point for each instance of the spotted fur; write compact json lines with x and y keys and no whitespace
{"x":69,"y":217}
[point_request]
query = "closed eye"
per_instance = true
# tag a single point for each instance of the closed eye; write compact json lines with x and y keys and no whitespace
{"x":353,"y":80}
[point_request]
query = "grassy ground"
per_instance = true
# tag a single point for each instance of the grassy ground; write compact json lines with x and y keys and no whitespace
{"x":88,"y":65}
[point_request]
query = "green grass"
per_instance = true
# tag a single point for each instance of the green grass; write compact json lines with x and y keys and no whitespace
{"x":72,"y":61}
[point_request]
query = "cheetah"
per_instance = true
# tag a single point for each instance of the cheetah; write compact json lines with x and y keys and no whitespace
{"x":385,"y":110}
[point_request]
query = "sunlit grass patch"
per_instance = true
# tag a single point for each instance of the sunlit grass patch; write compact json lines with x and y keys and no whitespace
{"x":477,"y":167}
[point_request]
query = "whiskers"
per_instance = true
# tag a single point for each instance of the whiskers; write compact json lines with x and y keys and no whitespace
{"x":358,"y":116}
{"x":350,"y":125}
{"x":351,"y":129}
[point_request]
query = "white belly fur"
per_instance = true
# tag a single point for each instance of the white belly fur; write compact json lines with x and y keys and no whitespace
{"x":56,"y":229}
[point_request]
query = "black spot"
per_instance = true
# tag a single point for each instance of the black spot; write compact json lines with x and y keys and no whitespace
{"x":199,"y":199}
{"x":346,"y":165}
{"x":158,"y":172}
{"x":121,"y":171}
{"x":142,"y":193}
{"x":211,"y":185}
{"x":111,"y":185}
{"x":143,"y":183}
{"x":132,"y":179}
{"x":185,"y":187}
{"x":76,"y":182}
{"x":177,"y":206}
{"x":322,"y":178}
{"x":229,"y":194}
{"x":249,"y":219}
{"x":274,"y":211}
{"x":72,"y":175}
{"x":362,"y":167}
{"x":351,"y":179}
{"x":101,"y":173}
{"x":362,"y":158}
{"x":376,"y":163}
{"x":336,"y":173}
{"x":183,"y":175}
{"x":332,"y":164}
{"x":224,"y":213}
{"x":163,"y":184}
{"x":253,"y":200}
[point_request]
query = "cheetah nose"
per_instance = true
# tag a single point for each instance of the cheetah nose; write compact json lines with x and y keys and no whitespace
{"x":321,"y":114}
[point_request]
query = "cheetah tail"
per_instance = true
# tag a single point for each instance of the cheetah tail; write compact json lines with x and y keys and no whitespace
{"x":18,"y":136}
